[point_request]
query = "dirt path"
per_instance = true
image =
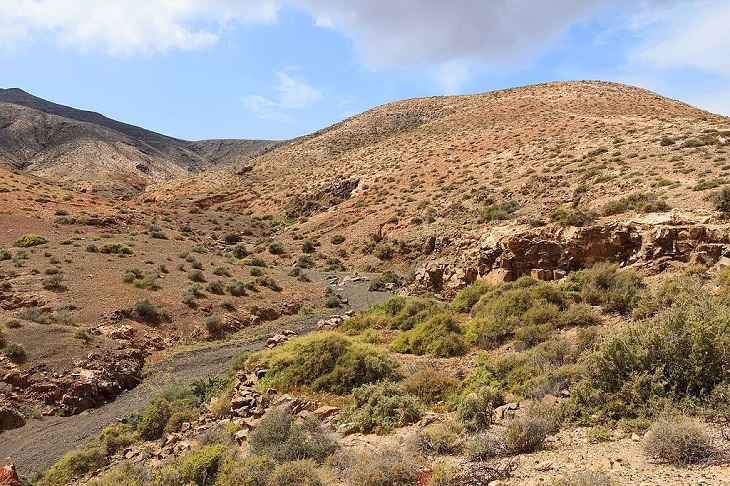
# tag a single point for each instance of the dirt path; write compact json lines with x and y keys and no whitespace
{"x":41,"y":442}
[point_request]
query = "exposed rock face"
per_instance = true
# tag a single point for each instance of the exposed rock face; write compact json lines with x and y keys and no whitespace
{"x":92,"y":382}
{"x":10,"y":417}
{"x":321,"y":197}
{"x":550,"y":252}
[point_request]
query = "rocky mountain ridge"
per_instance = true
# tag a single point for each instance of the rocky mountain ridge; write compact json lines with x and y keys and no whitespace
{"x":90,"y":152}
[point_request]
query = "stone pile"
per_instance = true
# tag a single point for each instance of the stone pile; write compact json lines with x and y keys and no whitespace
{"x":280,"y":338}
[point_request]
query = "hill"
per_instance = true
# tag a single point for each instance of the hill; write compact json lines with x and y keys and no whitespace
{"x":437,"y":179}
{"x":88,"y":151}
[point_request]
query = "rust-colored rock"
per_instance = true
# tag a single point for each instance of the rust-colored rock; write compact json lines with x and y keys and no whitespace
{"x":9,"y":476}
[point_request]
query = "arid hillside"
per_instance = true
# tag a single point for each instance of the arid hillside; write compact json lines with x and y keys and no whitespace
{"x":429,"y":179}
{"x":86,"y":151}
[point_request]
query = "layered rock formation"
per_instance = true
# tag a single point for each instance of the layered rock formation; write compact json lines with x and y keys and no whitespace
{"x":649,"y":242}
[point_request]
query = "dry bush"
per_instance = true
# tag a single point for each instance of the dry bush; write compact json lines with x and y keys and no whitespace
{"x":384,"y":466}
{"x":678,"y":441}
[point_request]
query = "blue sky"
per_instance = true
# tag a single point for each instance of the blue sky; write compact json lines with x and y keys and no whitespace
{"x":277,"y":69}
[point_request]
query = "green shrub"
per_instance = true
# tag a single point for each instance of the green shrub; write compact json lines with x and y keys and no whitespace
{"x":255,"y":262}
{"x":532,"y":335}
{"x":379,"y":282}
{"x":278,"y":437}
{"x":53,"y":282}
{"x":678,"y":441}
{"x":148,"y":280}
{"x":475,"y":408}
{"x":430,"y":386}
{"x":600,"y":433}
{"x":216,"y":287}
{"x":74,"y":465}
{"x":578,"y":315}
{"x":236,"y":288}
{"x":470,"y":295}
{"x":525,"y":434}
{"x":441,"y":438}
{"x":324,"y":361}
{"x":613,"y":289}
{"x":196,"y":275}
{"x":5,"y":254}
{"x":276,"y":248}
{"x":201,"y":465}
{"x":296,"y":473}
{"x":305,"y":261}
{"x":484,"y":446}
{"x":115,"y":438}
{"x":251,"y":471}
{"x":383,"y":251}
{"x":338,"y":239}
{"x":395,"y":313}
{"x":308,"y":246}
{"x":239,"y":251}
{"x":499,"y":313}
{"x":703,"y":185}
{"x":268,"y":281}
{"x":30,"y":240}
{"x":439,"y":337}
{"x":232,"y":239}
{"x":115,"y":248}
{"x":639,"y":201}
{"x":721,"y":200}
{"x":572,"y":217}
{"x":680,"y":353}
{"x":147,"y":311}
{"x":332,"y":302}
{"x":154,"y":419}
{"x":381,"y":407}
{"x":221,"y":272}
{"x":498,"y":211}
{"x":214,"y":324}
{"x":15,"y":352}
{"x":123,"y":473}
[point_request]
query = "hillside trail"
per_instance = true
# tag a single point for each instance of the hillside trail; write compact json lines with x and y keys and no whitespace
{"x":41,"y":442}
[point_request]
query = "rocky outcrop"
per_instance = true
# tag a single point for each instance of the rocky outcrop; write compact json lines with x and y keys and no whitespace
{"x":92,"y":382}
{"x":321,"y":197}
{"x":548,"y":253}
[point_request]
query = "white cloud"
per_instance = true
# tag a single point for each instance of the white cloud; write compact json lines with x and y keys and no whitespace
{"x":691,"y":35}
{"x":125,"y":27}
{"x":399,"y":32}
{"x":289,"y":94}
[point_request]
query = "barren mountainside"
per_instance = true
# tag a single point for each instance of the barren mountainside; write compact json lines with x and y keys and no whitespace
{"x":85,"y":150}
{"x":421,"y":173}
